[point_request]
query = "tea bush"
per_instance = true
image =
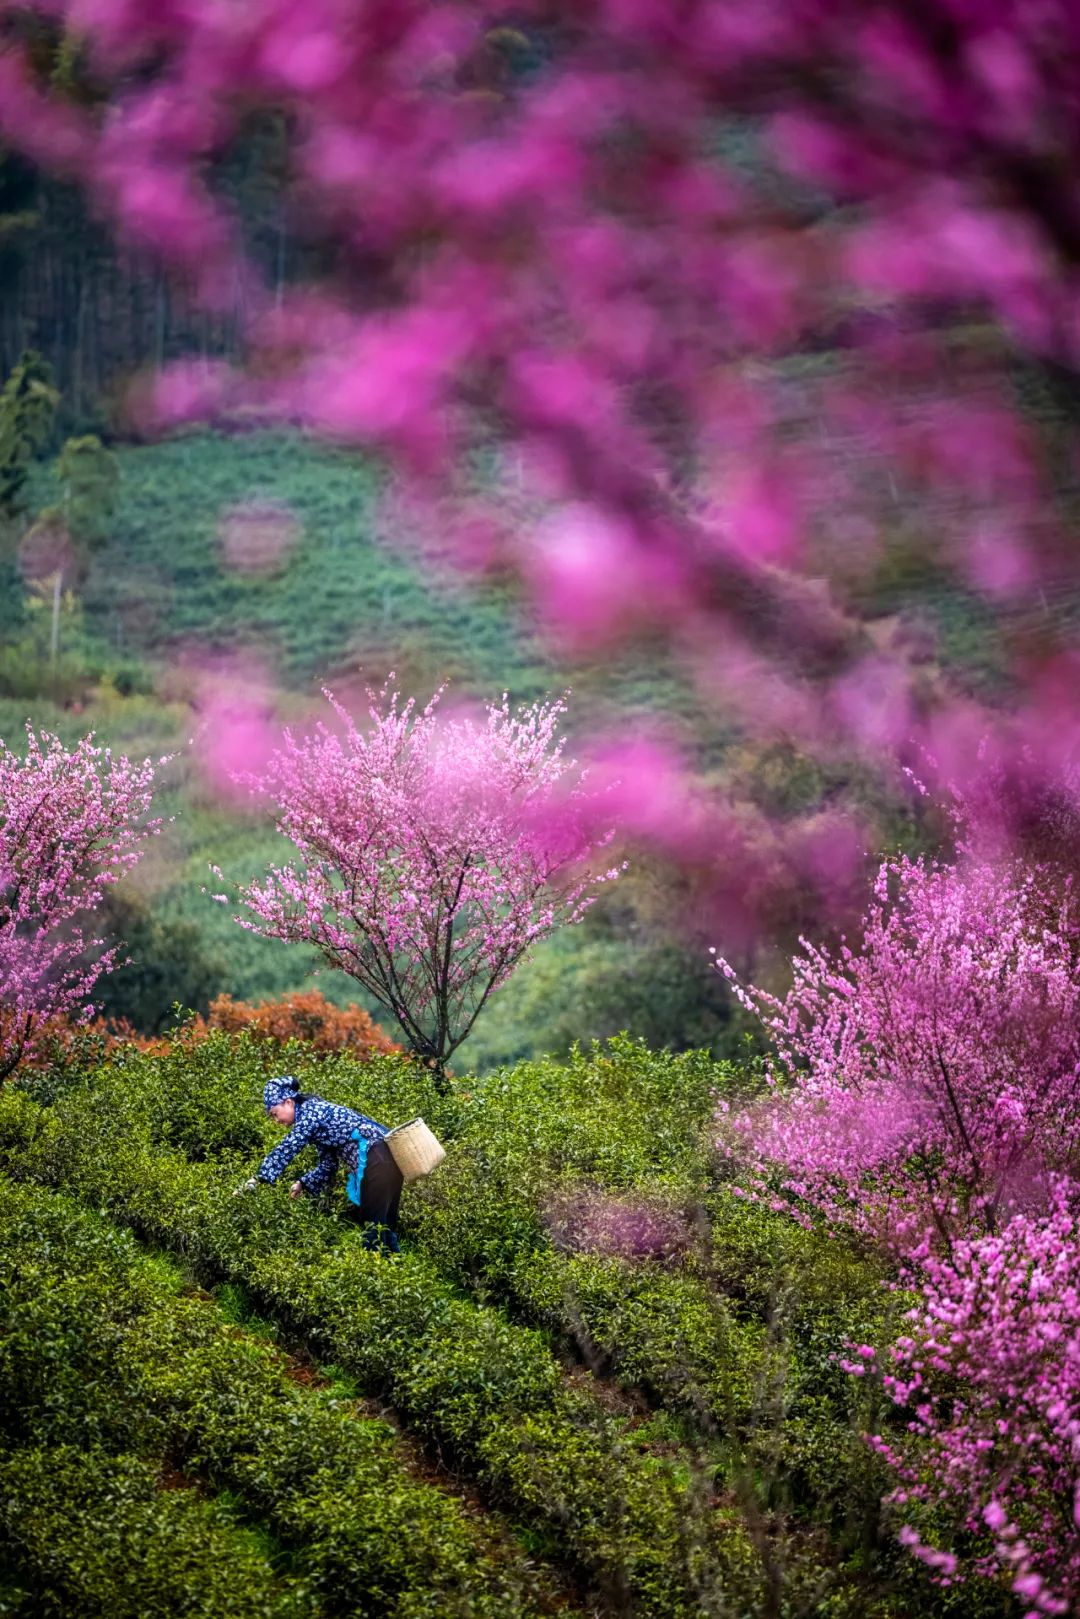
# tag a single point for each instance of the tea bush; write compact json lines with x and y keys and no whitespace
{"x":464,"y":1377}
{"x":754,"y":1495}
{"x":90,"y":1533}
{"x":98,"y":1341}
{"x":585,"y":1196}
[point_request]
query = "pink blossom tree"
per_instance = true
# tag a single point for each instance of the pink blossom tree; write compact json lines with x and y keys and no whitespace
{"x":71,"y":823}
{"x":926,"y":1083}
{"x":434,"y":852}
{"x":926,"y":1095}
{"x":989,"y":1375}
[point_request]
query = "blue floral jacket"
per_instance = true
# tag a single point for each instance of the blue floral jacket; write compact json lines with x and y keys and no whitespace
{"x":330,"y":1128}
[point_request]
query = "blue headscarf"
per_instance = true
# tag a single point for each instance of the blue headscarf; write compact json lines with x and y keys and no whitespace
{"x":282,"y":1089}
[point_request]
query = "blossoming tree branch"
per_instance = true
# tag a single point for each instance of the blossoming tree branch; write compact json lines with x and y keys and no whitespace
{"x":931,"y":1076}
{"x":434,"y":852}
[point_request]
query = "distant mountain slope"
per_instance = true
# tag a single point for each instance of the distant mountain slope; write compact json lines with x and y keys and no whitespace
{"x":334,"y":595}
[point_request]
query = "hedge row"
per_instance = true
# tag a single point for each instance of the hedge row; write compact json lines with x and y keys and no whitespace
{"x":731,"y":1327}
{"x":717,"y":1312}
{"x":644,"y":1526}
{"x":89,"y":1532}
{"x":582,"y":1196}
{"x":98,"y":1342}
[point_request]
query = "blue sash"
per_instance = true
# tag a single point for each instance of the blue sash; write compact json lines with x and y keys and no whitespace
{"x":359,"y":1163}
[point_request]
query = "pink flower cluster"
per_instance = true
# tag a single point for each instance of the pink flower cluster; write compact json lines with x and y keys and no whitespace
{"x":926,"y":1094}
{"x":71,"y":823}
{"x":588,"y":1219}
{"x":990,"y":1378}
{"x":928,"y":1082}
{"x":434,"y":852}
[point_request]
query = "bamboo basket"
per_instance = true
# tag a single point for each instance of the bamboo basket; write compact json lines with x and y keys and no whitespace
{"x":415,"y":1149}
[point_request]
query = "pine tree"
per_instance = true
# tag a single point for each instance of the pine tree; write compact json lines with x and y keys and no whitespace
{"x":28,"y":404}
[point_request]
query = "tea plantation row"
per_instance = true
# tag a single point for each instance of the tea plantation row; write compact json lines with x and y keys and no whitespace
{"x":725,"y":1317}
{"x":99,"y":1345}
{"x":745,"y":1489}
{"x":489,"y":1393}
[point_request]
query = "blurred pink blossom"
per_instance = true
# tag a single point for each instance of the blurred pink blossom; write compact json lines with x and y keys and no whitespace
{"x":997,"y":561}
{"x":872,"y":705}
{"x":603,"y":256}
{"x":257,"y":536}
{"x":187,"y":391}
{"x":237,"y":730}
{"x":587,"y":1219}
{"x":647,"y":787}
{"x":591,"y":577}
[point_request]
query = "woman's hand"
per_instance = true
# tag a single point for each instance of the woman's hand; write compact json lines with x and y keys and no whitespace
{"x":296,"y":1189}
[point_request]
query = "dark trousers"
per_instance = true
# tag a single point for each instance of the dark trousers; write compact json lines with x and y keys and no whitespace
{"x":380,"y":1194}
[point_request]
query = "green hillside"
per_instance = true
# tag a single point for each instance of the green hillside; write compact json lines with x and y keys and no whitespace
{"x":265,"y":547}
{"x":160,"y":597}
{"x":336,"y":597}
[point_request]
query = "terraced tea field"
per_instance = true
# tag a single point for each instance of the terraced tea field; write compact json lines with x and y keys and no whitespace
{"x":595,"y":1382}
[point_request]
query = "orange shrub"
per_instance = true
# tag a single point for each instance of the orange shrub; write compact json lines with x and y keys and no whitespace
{"x":306,"y":1015}
{"x":62,"y":1036}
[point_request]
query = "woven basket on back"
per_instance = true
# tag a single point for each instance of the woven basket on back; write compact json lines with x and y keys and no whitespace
{"x":415,"y":1150}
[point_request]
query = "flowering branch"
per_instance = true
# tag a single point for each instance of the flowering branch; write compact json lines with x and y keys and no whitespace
{"x":929,"y":1082}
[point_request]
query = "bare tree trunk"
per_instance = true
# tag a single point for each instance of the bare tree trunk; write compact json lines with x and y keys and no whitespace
{"x":77,"y":389}
{"x":54,"y":640}
{"x":160,"y":321}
